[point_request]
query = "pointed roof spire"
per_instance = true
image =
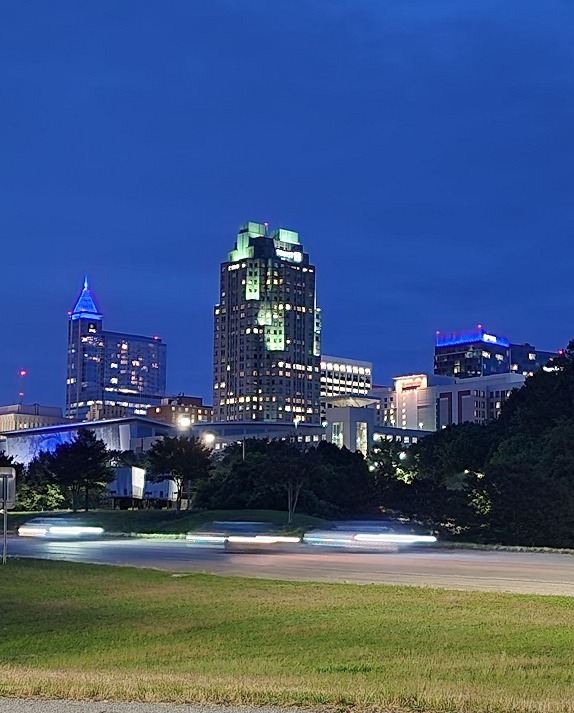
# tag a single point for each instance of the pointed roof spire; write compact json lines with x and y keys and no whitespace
{"x":85,"y":307}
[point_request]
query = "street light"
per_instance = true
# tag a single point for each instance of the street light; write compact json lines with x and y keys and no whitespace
{"x":296,"y":421}
{"x":183,"y":423}
{"x":209,"y":438}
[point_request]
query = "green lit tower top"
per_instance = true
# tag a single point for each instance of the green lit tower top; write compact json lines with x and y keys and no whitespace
{"x":267,"y":331}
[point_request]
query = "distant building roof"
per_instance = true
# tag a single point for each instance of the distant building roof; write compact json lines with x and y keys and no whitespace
{"x":75,"y":425}
{"x":444,"y":339}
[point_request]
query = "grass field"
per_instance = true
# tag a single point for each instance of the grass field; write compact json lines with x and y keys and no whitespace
{"x":85,"y":631}
{"x":165,"y":521}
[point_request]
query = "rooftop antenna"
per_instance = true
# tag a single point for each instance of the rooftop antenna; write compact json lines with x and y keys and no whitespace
{"x":22,"y":373}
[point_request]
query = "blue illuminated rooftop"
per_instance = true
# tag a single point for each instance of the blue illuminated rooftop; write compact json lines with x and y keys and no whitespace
{"x":473,"y":337}
{"x":85,"y":307}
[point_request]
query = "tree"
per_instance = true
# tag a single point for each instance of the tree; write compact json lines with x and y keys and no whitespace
{"x":273,"y":474}
{"x":80,"y":466}
{"x":182,"y":459}
{"x":36,"y":491}
{"x":291,"y":469}
{"x":530,"y":482}
{"x":343,"y":479}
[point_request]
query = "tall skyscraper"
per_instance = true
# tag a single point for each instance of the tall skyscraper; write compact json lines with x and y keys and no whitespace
{"x":110,"y":369}
{"x":267,"y":331}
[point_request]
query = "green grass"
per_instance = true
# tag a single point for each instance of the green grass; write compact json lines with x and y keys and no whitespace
{"x":86,"y":631}
{"x":166,"y":521}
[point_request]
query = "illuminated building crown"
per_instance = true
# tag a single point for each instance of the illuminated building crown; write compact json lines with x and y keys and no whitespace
{"x":85,"y":307}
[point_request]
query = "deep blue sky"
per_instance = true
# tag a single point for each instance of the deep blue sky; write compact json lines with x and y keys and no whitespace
{"x":422,"y":148}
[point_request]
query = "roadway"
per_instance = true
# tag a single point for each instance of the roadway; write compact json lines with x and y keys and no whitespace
{"x":517,"y":572}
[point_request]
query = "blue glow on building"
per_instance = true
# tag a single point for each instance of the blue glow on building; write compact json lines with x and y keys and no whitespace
{"x":477,"y":335}
{"x":85,"y":307}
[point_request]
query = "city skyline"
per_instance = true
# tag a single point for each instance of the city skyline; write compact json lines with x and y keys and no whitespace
{"x":421,"y":152}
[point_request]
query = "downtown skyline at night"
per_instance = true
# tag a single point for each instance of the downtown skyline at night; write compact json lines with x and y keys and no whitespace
{"x":287,"y":356}
{"x":424,"y":162}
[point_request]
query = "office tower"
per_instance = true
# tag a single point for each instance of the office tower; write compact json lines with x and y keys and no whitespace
{"x":526,"y":359}
{"x":470,"y":354}
{"x":267,"y":331}
{"x":342,"y":376}
{"x":110,"y":369}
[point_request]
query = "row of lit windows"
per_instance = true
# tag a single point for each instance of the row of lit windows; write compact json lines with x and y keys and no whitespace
{"x":343,"y":380}
{"x":288,"y":408}
{"x":349,"y":368}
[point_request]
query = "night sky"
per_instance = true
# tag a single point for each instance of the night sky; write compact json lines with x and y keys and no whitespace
{"x":422,"y":148}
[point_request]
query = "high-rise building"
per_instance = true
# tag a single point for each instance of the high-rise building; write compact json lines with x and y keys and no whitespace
{"x":470,"y":354}
{"x":467,"y":355}
{"x":526,"y":359}
{"x":267,"y":331}
{"x":110,"y":369}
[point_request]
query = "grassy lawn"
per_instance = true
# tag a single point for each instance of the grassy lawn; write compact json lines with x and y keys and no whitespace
{"x":85,"y":631}
{"x":166,"y":521}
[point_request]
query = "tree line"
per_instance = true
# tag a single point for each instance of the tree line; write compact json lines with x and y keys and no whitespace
{"x":509,"y":481}
{"x":277,"y":475}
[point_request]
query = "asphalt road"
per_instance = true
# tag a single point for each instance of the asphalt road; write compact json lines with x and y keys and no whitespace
{"x":518,"y":572}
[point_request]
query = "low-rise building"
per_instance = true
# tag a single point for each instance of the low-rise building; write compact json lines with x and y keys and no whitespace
{"x":218,"y":435}
{"x":429,"y":402}
{"x":135,"y":433}
{"x":417,"y":405}
{"x":181,"y":411}
{"x":17,"y":417}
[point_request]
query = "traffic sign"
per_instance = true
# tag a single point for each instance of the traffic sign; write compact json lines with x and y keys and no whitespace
{"x":7,"y":502}
{"x":7,"y":488}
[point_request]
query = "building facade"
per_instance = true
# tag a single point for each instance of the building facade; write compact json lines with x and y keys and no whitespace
{"x":181,"y":411}
{"x":17,"y":417}
{"x":526,"y":359}
{"x":341,"y":376}
{"x":429,"y":402}
{"x":417,"y":405}
{"x":110,"y":369}
{"x":466,"y":355}
{"x":266,"y":331}
{"x":135,"y":433}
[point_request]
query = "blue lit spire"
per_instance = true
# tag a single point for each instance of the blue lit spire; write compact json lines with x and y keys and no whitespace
{"x":85,"y":307}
